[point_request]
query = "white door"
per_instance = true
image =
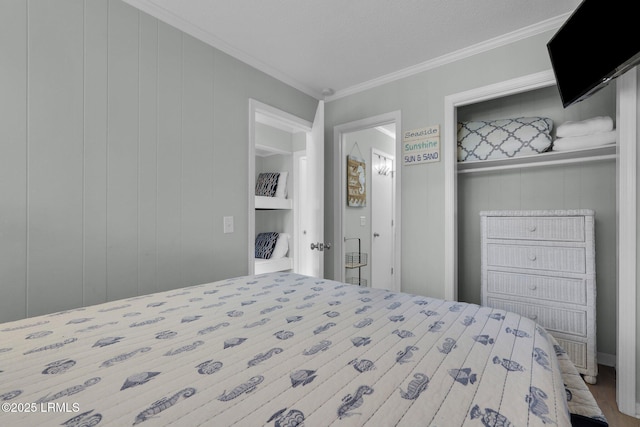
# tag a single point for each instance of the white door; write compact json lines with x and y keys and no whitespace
{"x":315,"y":195}
{"x":382,"y":231}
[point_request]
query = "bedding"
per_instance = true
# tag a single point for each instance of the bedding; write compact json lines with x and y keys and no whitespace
{"x":585,"y":141}
{"x":265,"y":244}
{"x":504,"y":138}
{"x":283,"y":349}
{"x":282,"y":246}
{"x":281,"y":188}
{"x":267,"y":184}
{"x":272,"y":184}
{"x":271,"y":245}
{"x":588,"y":126}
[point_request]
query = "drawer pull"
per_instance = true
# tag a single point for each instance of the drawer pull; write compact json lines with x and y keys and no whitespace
{"x":533,"y":316}
{"x":532,"y":228}
{"x":533,"y":287}
{"x":532,"y":257}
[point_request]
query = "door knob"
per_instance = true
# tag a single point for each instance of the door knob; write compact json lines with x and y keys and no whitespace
{"x":321,"y":246}
{"x":376,"y":234}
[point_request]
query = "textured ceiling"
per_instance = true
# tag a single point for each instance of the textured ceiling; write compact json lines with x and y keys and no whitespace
{"x":339,"y":44}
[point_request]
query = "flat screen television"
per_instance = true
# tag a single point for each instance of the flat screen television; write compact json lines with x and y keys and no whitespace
{"x":599,"y":42}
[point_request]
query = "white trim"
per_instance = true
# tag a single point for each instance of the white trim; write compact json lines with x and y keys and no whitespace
{"x":287,"y":120}
{"x":383,"y":130}
{"x":607,"y":359}
{"x":339,"y":190}
{"x":172,"y":19}
{"x":251,"y":221}
{"x":503,"y":40}
{"x":516,"y":165}
{"x":451,"y":102}
{"x":591,"y":154}
{"x":297,"y":249}
{"x":277,"y":118}
{"x":626,"y":120}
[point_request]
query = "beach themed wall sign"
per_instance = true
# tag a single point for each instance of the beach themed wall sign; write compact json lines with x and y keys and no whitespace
{"x":421,"y":145}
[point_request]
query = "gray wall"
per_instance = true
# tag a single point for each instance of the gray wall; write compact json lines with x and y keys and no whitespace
{"x":123,"y":143}
{"x":421,"y":100}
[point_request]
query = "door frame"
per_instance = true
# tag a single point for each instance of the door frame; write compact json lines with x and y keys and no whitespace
{"x":627,"y":177}
{"x":340,"y":191}
{"x":297,"y":249}
{"x":626,"y":199}
{"x":279,"y":119}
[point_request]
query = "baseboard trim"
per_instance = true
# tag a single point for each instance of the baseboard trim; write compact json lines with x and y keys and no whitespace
{"x":607,"y":359}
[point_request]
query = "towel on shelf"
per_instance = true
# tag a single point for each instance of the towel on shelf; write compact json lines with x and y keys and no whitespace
{"x":585,"y":127}
{"x":584,"y":141}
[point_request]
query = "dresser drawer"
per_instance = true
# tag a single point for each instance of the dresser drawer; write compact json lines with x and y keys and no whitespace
{"x":549,"y":258}
{"x":558,"y":319}
{"x":577,"y":351}
{"x":567,"y":229}
{"x":560,"y":289}
{"x":540,"y":264}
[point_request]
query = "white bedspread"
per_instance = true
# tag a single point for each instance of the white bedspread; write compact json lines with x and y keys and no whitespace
{"x":280,"y":349}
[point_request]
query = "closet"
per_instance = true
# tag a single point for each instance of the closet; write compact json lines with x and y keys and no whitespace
{"x":563,"y":180}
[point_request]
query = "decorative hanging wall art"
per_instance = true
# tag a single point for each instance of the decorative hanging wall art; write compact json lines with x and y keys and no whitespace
{"x":356,"y":181}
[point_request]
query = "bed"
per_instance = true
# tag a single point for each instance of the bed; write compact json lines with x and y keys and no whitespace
{"x":283,"y":349}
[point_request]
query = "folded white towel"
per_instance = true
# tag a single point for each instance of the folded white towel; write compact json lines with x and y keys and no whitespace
{"x":585,"y":127}
{"x":585,"y":141}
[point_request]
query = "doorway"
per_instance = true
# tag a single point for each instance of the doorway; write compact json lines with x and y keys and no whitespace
{"x":291,"y":148}
{"x":626,"y":164}
{"x":367,"y":210}
{"x":382,"y":219}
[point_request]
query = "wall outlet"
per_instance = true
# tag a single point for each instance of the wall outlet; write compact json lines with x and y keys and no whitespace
{"x":227,"y":224}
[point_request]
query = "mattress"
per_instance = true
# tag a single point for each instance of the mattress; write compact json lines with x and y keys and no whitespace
{"x":283,"y":349}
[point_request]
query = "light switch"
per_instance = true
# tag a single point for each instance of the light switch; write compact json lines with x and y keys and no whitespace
{"x":363,"y":221}
{"x":228,"y":224}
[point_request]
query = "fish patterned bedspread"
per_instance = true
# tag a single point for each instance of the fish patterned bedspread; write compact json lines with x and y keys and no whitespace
{"x":283,"y":349}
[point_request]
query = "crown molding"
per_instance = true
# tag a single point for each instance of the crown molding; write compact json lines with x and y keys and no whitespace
{"x":172,"y":19}
{"x":503,"y":40}
{"x":189,"y":28}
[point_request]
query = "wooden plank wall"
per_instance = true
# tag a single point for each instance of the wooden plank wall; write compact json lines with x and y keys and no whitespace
{"x":123,"y":143}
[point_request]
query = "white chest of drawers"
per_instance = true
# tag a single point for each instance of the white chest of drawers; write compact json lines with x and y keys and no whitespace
{"x":541,"y":264}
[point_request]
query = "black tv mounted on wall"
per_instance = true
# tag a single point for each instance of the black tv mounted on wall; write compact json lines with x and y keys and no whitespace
{"x":599,"y":42}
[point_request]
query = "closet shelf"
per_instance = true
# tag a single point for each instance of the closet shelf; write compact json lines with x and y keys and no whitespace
{"x":607,"y":152}
{"x":263,"y":202}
